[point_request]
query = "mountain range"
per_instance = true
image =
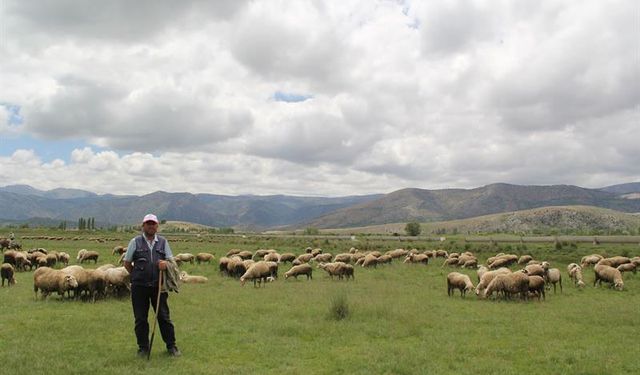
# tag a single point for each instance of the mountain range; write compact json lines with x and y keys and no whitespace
{"x":23,"y":203}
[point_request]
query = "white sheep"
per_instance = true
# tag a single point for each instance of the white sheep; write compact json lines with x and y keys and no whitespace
{"x":192,"y":279}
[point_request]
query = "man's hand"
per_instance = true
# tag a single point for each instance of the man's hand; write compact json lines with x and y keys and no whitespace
{"x":162,"y":265}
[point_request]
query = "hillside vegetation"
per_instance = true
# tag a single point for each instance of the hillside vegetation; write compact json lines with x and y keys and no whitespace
{"x":544,"y":220}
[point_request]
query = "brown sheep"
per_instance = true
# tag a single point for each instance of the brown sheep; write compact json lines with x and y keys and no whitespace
{"x":302,"y":269}
{"x":536,"y":285}
{"x":509,"y":284}
{"x":370,"y":260}
{"x":523,"y":260}
{"x":608,"y":274}
{"x":417,"y":258}
{"x":287,"y":257}
{"x":627,"y":267}
{"x":89,"y":255}
{"x":7,"y":272}
{"x":258,"y":272}
{"x":48,"y":280}
{"x":204,"y":258}
{"x":459,"y":281}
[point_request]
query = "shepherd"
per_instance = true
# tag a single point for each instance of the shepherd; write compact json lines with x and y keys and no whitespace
{"x":147,"y":255}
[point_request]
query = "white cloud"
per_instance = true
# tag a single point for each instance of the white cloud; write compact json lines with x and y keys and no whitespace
{"x":426,"y":94}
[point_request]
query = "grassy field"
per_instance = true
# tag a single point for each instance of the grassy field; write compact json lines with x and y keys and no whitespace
{"x":400,"y":320}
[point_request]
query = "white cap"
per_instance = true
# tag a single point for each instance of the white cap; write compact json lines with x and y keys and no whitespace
{"x":150,"y":217}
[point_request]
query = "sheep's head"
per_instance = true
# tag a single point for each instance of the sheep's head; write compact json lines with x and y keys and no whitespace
{"x":619,"y":285}
{"x":243,"y":280}
{"x":70,"y":281}
{"x":580,"y":284}
{"x":183,"y":274}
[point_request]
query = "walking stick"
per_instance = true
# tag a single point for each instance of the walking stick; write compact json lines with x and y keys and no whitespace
{"x":155,"y":318}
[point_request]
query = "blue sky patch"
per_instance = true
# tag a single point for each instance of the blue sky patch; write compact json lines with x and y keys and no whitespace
{"x":47,"y":150}
{"x":14,"y":114}
{"x":288,"y":97}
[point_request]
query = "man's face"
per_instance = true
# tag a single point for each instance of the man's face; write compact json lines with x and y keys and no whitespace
{"x":149,"y":228}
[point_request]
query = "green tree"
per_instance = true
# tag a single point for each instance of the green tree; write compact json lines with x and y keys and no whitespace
{"x":413,"y":228}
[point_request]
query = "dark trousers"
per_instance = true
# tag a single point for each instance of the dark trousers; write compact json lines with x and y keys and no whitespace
{"x":141,"y":298}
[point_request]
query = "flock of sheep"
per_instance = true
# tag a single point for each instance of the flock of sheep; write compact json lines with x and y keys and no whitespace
{"x":54,"y":274}
{"x":535,"y":276}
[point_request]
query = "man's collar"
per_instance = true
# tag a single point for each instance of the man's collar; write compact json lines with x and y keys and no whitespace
{"x":155,"y":237}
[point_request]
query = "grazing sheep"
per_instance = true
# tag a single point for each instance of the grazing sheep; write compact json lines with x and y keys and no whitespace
{"x":636,"y":261}
{"x":235,"y":267}
{"x":105,"y":267}
{"x":64,"y":258}
{"x":80,"y":254}
{"x":223,"y":264}
{"x":344,"y":258}
{"x":535,"y":270}
{"x":481,"y":271}
{"x":119,"y":250}
{"x":273,"y":269}
{"x":184,"y":258}
{"x":92,"y":282}
{"x":260,"y":253}
{"x":305,"y":258}
{"x":117,"y":280}
{"x":441,"y":254}
{"x":503,"y":261}
{"x":272,"y":257}
{"x":302,"y":269}
{"x":245,"y":254}
{"x":315,"y":252}
{"x":204,"y":258}
{"x":472,"y":263}
{"x":487,"y":277}
{"x":233,"y":252}
{"x":10,"y":257}
{"x":48,"y":280}
{"x":324,"y":258}
{"x":449,"y":262}
{"x":523,"y":260}
{"x":460,"y":281}
{"x":397,"y":253}
{"x":509,"y":284}
{"x":536,"y":285}
{"x":627,"y":267}
{"x":89,"y":255}
{"x":576,"y":275}
{"x":336,"y":269}
{"x":384,"y":259}
{"x":370,"y":260}
{"x":7,"y":272}
{"x":189,"y":279}
{"x":608,"y":274}
{"x":52,"y":259}
{"x":554,"y":277}
{"x":287,"y":257}
{"x":590,"y":260}
{"x":417,"y":258}
{"x":614,"y":261}
{"x":258,"y":271}
{"x":248,"y":263}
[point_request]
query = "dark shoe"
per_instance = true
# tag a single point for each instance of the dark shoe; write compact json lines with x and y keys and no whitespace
{"x":143,"y":353}
{"x":174,"y":351}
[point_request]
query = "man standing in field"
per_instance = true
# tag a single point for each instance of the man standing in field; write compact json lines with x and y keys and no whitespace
{"x":146,"y":257}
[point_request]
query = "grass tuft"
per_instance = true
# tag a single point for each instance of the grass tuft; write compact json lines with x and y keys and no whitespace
{"x":339,"y":307}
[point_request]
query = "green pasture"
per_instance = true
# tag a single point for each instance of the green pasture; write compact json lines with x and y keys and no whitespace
{"x":400,"y":320}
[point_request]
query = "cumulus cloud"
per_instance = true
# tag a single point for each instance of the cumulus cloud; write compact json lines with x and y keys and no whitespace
{"x":208,"y":96}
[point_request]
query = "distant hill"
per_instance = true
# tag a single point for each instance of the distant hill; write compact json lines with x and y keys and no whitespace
{"x":564,"y":219}
{"x":59,"y":193}
{"x":253,"y":212}
{"x":450,"y":204}
{"x":632,"y":187}
{"x":21,"y":203}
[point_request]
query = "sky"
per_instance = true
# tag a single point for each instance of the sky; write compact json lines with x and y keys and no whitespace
{"x":318,"y":98}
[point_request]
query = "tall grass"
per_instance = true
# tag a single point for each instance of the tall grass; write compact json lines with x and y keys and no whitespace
{"x":397,"y":319}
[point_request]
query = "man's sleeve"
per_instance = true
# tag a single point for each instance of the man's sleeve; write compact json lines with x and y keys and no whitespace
{"x":128,"y":256}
